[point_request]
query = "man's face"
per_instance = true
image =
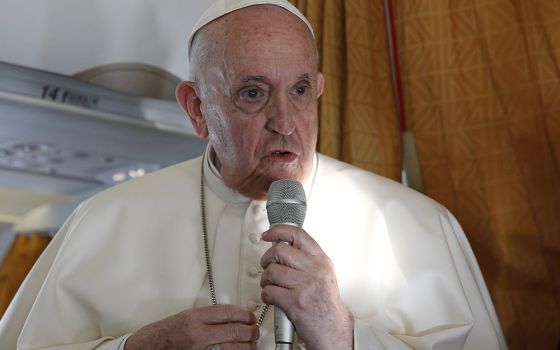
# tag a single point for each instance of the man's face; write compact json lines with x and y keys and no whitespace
{"x":260,"y":103}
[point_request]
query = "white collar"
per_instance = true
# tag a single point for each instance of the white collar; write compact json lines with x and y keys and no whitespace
{"x":215,"y":182}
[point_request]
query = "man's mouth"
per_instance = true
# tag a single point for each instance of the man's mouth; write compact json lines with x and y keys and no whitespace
{"x":285,"y":156}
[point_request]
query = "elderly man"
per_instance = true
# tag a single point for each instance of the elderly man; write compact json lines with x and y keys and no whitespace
{"x":376,"y":266}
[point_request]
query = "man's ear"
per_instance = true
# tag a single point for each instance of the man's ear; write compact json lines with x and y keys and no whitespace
{"x":188,"y":98}
{"x":320,"y":84}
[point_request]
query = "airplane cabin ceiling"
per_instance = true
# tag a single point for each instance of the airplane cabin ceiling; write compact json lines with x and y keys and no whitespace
{"x":69,"y":36}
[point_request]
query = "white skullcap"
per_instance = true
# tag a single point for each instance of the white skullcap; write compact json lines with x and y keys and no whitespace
{"x":223,"y":7}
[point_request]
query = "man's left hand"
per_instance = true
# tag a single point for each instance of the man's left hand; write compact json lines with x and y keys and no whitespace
{"x":300,"y":279}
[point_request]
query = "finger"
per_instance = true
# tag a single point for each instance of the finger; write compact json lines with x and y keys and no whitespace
{"x":287,"y":255}
{"x":296,"y":236}
{"x":230,"y":333}
{"x":226,"y":313}
{"x":283,"y":276}
{"x":278,"y":296}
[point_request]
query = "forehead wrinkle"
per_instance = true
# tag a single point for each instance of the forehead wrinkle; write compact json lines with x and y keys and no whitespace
{"x":225,"y":35}
{"x":265,"y":21}
{"x":243,"y":19}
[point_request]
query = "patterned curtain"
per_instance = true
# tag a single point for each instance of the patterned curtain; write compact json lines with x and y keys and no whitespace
{"x":352,"y":43}
{"x":481,"y":85}
{"x":21,"y":256}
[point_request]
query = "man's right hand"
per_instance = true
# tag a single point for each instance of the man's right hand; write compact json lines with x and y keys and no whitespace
{"x":230,"y":326}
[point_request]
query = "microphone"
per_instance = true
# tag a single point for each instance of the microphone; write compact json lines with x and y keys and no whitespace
{"x":285,"y":205}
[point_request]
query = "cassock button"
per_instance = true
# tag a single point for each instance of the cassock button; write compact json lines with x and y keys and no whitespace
{"x":257,"y":209}
{"x":252,"y":305}
{"x":255,"y":238}
{"x":254,"y":271}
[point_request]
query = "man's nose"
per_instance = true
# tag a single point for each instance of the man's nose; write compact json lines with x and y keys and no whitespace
{"x":281,"y":116}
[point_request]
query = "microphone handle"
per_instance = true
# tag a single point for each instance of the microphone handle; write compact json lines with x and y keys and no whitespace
{"x":283,"y":328}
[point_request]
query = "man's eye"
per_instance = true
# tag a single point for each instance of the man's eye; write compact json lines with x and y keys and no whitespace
{"x":301,"y":95}
{"x":251,"y":94}
{"x":300,"y":90}
{"x":251,"y":99}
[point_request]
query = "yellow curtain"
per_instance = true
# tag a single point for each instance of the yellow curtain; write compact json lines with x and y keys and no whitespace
{"x":358,"y":122}
{"x":21,"y":256}
{"x":482,"y":96}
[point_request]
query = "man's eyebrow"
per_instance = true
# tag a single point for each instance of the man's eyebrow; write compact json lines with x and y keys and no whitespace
{"x":306,"y":76}
{"x":260,"y":78}
{"x":253,"y":77}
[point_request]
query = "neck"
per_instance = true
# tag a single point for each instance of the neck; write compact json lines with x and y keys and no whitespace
{"x":256,"y":189}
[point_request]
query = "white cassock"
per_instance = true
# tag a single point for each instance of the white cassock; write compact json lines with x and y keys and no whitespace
{"x":134,"y":254}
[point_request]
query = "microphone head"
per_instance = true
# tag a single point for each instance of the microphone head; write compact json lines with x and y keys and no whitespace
{"x":286,"y":203}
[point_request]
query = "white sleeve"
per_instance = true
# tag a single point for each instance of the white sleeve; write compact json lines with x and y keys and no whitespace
{"x":484,"y":332}
{"x":370,"y":337}
{"x":25,"y":331}
{"x":15,"y":316}
{"x":486,"y":325}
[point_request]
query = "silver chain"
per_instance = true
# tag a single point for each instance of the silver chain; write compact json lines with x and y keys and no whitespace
{"x":207,"y":250}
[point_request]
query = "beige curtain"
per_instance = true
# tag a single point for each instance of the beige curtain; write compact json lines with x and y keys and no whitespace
{"x":482,"y":96}
{"x":23,"y":253}
{"x":357,"y":111}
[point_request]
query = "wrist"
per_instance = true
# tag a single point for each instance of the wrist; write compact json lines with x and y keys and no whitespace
{"x":339,"y":336}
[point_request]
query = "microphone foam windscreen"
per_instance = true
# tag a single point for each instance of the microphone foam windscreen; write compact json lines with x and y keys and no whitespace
{"x":286,"y":203}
